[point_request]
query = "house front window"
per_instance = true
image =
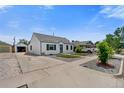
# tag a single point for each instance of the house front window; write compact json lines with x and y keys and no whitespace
{"x":66,"y":47}
{"x":51,"y":47}
{"x":31,"y":47}
{"x":71,"y":47}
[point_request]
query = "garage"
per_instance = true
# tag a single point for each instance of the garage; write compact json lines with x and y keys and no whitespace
{"x":21,"y":48}
{"x":5,"y":47}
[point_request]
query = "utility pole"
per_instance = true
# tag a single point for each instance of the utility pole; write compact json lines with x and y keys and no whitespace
{"x":14,"y":41}
{"x":53,"y":33}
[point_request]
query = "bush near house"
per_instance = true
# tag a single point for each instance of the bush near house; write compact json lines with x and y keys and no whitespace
{"x":104,"y":52}
{"x":78,"y":49}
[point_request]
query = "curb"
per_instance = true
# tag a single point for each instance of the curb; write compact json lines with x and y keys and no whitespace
{"x":121,"y":68}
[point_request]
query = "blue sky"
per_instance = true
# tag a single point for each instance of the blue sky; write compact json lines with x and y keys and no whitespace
{"x":73,"y":22}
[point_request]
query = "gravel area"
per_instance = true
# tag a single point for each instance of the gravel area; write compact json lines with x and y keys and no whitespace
{"x":92,"y":65}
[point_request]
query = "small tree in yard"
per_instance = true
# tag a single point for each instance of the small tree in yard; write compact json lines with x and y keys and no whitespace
{"x":105,"y":51}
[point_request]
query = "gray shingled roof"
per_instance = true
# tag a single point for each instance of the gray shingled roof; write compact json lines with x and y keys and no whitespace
{"x":51,"y":39}
{"x":82,"y":43}
{"x":4,"y":43}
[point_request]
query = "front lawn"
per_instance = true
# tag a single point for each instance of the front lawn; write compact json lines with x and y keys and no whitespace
{"x":81,"y":54}
{"x":68,"y":55}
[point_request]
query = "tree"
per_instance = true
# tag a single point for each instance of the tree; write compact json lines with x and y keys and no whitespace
{"x":97,"y":42}
{"x":114,"y":39}
{"x":118,"y":32}
{"x":109,"y":39}
{"x":23,"y":41}
{"x":104,"y":51}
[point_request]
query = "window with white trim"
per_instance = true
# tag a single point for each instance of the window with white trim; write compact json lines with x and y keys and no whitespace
{"x":66,"y":47}
{"x":30,"y":47}
{"x":51,"y":47}
{"x":71,"y":47}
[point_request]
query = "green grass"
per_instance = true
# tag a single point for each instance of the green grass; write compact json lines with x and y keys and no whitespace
{"x":81,"y":54}
{"x":68,"y":55}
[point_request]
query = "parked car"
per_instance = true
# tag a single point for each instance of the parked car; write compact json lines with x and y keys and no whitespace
{"x":89,"y":50}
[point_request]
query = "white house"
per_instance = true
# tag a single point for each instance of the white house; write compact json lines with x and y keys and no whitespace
{"x":41,"y":44}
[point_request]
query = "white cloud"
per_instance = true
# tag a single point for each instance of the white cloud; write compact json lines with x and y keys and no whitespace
{"x":3,"y":8}
{"x":47,"y":7}
{"x":37,"y":29}
{"x":43,"y":30}
{"x":100,"y":26}
{"x":10,"y":38}
{"x":53,"y":28}
{"x":113,"y":11}
{"x":13,"y":24}
{"x":6,"y":38}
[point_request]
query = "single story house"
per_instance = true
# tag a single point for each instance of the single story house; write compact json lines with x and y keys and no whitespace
{"x":84,"y":44}
{"x":5,"y":47}
{"x":20,"y":47}
{"x":41,"y":44}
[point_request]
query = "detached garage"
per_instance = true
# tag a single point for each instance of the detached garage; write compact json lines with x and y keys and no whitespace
{"x":20,"y":48}
{"x":5,"y":47}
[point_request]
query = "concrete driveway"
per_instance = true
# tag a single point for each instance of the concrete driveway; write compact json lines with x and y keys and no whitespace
{"x":8,"y":66}
{"x":43,"y":71}
{"x":33,"y":63}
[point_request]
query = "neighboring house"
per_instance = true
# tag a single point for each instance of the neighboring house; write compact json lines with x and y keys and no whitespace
{"x":86,"y":44}
{"x":41,"y":44}
{"x":20,"y":47}
{"x":5,"y":47}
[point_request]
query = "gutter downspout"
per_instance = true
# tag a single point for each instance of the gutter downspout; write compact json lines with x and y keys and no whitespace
{"x":40,"y":48}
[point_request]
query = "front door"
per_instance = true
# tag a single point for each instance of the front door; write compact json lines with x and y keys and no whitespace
{"x":61,"y":48}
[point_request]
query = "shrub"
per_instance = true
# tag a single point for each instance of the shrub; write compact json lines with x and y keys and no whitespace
{"x":104,"y":51}
{"x":78,"y":49}
{"x":111,"y":52}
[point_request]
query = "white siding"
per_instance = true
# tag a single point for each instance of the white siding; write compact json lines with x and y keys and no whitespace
{"x":35,"y":43}
{"x":46,"y":52}
{"x":69,"y":48}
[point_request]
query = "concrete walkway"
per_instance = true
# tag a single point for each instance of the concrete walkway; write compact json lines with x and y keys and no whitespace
{"x":42,"y":71}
